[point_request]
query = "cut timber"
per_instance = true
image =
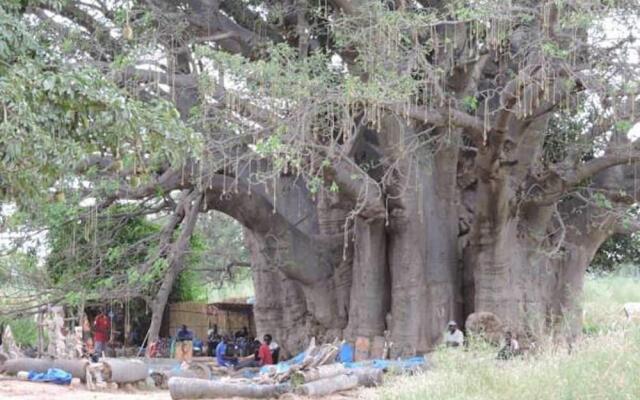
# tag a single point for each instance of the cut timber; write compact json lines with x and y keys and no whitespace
{"x":321,"y":372}
{"x":186,"y":388}
{"x":325,"y":387}
{"x":161,"y":378}
{"x":12,"y":367}
{"x":77,"y":368}
{"x":124,"y":371}
{"x":368,"y":377}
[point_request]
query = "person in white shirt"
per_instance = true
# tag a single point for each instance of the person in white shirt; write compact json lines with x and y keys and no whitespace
{"x":453,"y":337}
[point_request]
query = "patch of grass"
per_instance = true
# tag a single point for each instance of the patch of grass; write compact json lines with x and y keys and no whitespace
{"x":604,"y":298}
{"x":603,"y":365}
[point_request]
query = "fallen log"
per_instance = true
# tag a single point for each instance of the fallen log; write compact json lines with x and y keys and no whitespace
{"x":77,"y":368}
{"x":324,"y":387}
{"x":321,"y":372}
{"x":187,"y":388}
{"x":161,"y":378}
{"x":12,"y":367}
{"x":368,"y":377}
{"x":124,"y":371}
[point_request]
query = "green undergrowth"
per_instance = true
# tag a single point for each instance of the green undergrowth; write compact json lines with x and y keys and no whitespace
{"x":604,"y":364}
{"x":24,"y":330}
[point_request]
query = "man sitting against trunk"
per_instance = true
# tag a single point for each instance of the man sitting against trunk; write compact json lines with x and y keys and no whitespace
{"x":511,"y":347}
{"x":264,"y":353}
{"x":453,"y":337}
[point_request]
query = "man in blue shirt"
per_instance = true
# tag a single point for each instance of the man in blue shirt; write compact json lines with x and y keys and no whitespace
{"x":222,"y":358}
{"x":184,"y":344}
{"x":184,"y":334}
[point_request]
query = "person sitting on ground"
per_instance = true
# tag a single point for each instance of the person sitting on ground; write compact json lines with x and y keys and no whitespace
{"x":453,"y":337}
{"x":223,"y":356}
{"x":275,"y":351}
{"x":212,"y":342}
{"x":510,"y":348}
{"x":264,"y":353}
{"x":252,"y":361}
{"x":244,"y":333}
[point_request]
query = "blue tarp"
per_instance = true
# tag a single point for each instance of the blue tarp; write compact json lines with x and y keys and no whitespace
{"x":401,"y":364}
{"x":53,"y":375}
{"x":345,"y":356}
{"x":284,"y":366}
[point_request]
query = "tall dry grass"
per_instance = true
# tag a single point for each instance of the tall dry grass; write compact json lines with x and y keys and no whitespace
{"x":604,"y":364}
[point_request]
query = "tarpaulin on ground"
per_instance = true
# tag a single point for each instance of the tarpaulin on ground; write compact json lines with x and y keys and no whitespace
{"x":284,"y":366}
{"x":412,"y":363}
{"x":53,"y":375}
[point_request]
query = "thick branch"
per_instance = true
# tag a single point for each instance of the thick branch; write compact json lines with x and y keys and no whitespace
{"x":445,"y":117}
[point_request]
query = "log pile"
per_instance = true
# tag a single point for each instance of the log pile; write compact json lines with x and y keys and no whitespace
{"x":313,"y":373}
{"x":118,"y":371}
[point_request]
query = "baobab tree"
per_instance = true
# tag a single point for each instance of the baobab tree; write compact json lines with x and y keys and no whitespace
{"x":395,"y":164}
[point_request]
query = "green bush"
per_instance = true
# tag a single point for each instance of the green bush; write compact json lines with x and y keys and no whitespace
{"x":25,"y":330}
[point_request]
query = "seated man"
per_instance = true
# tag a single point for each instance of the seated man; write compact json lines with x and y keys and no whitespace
{"x":264,"y":352}
{"x":275,"y":351}
{"x":453,"y":337}
{"x":223,"y":356}
{"x":212,"y":342}
{"x":263,"y":357}
{"x":510,"y":348}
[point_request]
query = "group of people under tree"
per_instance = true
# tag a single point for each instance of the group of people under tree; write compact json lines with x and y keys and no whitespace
{"x":453,"y":337}
{"x":254,"y":354}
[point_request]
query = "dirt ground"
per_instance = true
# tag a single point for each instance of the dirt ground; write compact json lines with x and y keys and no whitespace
{"x":15,"y":389}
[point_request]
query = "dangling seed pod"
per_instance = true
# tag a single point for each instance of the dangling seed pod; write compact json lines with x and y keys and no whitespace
{"x":127,"y":32}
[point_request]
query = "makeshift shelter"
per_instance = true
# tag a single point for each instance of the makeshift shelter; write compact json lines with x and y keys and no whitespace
{"x":193,"y":315}
{"x":232,"y":315}
{"x":229,"y":316}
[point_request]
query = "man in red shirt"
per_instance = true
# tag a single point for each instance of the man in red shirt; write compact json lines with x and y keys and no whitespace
{"x":101,"y":326}
{"x":264,"y":353}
